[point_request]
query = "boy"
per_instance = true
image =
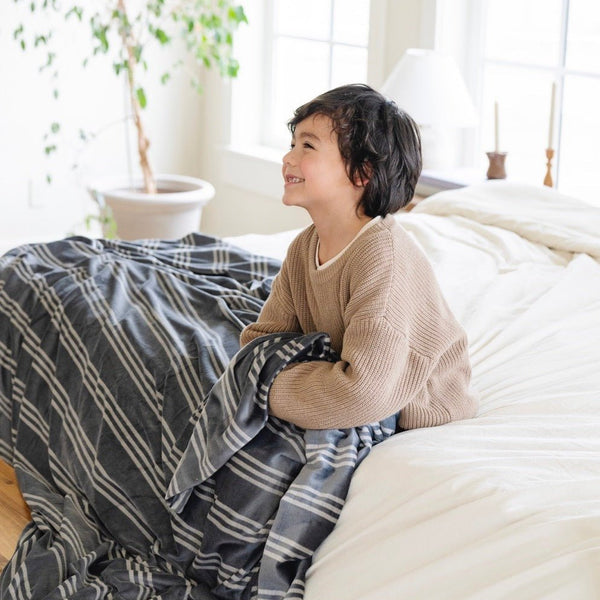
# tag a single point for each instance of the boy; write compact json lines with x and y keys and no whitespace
{"x":355,"y":273}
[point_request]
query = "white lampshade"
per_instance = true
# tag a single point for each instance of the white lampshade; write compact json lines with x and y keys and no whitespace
{"x":429,"y":87}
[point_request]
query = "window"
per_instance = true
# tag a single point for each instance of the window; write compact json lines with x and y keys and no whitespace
{"x":315,"y":45}
{"x":528,"y":45}
{"x":305,"y":48}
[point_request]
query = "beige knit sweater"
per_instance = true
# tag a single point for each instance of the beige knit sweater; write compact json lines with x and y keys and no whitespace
{"x":400,"y":346}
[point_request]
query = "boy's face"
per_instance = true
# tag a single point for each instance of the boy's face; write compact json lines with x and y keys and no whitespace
{"x":314,"y":173}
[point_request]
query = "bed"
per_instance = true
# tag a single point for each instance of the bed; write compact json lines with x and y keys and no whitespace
{"x":504,"y":505}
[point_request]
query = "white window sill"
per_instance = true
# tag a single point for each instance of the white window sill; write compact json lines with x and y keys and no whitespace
{"x":256,"y":169}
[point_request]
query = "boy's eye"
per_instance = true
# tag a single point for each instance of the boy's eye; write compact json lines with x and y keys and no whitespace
{"x":307,"y":145}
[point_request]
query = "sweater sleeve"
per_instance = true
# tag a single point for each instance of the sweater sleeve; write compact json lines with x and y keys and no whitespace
{"x":277,"y":314}
{"x":360,"y":388}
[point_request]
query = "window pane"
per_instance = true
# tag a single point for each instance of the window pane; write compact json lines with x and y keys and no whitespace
{"x":351,"y":22}
{"x":583,"y":49}
{"x":300,"y":72}
{"x":580,"y":156}
{"x":316,"y":45}
{"x":306,"y":18}
{"x":349,"y":65}
{"x":524,"y":31}
{"x":524,"y":97}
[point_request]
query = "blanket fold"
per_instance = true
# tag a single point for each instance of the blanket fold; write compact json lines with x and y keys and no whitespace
{"x":268,"y":491}
{"x":108,"y":355}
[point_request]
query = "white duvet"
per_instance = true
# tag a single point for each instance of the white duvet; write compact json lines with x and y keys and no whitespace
{"x":505,"y":505}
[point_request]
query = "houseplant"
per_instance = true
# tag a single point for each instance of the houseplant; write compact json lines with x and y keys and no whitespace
{"x":123,"y":31}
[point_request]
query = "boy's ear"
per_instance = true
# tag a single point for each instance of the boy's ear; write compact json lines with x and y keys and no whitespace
{"x":363,"y":175}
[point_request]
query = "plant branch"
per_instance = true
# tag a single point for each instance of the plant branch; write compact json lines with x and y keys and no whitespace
{"x":204,"y":26}
{"x":131,"y":60}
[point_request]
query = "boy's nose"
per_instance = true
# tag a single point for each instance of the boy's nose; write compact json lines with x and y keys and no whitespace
{"x":287,"y":157}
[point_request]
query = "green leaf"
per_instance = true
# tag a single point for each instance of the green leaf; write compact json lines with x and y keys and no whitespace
{"x":99,"y":32}
{"x":118,"y":67}
{"x":55,"y":127}
{"x":232,"y":68}
{"x":237,"y":14}
{"x":49,"y":149}
{"x":49,"y":60}
{"x":161,"y":36}
{"x":165,"y":78}
{"x":141,"y":97}
{"x":75,"y":10}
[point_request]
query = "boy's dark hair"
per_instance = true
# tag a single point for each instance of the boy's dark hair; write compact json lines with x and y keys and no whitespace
{"x":378,"y":142}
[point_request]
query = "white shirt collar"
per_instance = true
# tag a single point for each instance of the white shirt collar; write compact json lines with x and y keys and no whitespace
{"x":332,"y":260}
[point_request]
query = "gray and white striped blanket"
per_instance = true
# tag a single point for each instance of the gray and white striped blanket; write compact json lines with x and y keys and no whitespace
{"x":109,"y":356}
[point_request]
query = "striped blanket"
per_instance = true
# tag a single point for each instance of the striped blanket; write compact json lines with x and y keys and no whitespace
{"x":140,"y":434}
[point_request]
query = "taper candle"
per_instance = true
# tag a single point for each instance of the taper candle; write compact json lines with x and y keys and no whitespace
{"x":551,"y":124}
{"x":496,"y":128}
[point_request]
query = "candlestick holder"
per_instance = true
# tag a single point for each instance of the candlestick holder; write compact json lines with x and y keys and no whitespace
{"x":496,"y":170}
{"x":548,"y":177}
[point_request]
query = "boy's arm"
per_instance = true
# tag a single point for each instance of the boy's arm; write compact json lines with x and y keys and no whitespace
{"x":278,"y":313}
{"x":356,"y":390}
{"x":379,"y":374}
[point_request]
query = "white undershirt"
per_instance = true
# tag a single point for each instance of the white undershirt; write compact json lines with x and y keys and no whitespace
{"x":332,"y":260}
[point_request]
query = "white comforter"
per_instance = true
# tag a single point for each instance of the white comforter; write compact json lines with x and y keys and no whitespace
{"x":505,"y":505}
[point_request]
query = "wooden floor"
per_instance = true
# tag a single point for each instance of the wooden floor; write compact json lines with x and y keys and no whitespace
{"x":14,"y":514}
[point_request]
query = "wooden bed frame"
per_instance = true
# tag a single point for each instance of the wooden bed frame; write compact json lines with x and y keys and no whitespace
{"x":14,"y":513}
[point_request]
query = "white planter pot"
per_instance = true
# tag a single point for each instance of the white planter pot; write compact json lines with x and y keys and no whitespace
{"x":171,"y":213}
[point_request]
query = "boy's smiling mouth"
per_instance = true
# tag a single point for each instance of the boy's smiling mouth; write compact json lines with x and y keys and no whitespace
{"x":293,"y":179}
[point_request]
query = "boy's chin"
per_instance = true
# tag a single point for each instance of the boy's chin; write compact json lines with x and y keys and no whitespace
{"x":288,"y":199}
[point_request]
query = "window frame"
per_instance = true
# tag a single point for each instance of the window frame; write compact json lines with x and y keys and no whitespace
{"x":269,"y":137}
{"x":472,"y":56}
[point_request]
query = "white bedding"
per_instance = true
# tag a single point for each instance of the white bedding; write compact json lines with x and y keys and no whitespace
{"x":505,"y":505}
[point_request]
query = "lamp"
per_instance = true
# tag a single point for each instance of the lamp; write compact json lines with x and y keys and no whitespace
{"x":429,"y":87}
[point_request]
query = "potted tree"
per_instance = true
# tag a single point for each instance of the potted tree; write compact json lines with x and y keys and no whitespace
{"x":165,"y":206}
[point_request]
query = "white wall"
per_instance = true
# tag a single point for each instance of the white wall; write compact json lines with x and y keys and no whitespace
{"x":93,"y":99}
{"x":189,"y":134}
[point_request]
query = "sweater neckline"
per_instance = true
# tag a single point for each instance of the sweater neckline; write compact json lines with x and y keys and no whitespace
{"x":365,"y":227}
{"x":334,"y":269}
